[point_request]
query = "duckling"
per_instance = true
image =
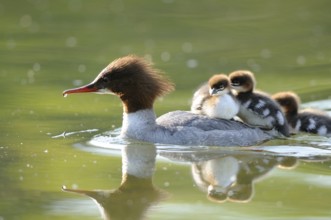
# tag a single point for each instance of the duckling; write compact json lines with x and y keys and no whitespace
{"x":308,"y":120}
{"x":215,"y":99}
{"x":257,"y":108}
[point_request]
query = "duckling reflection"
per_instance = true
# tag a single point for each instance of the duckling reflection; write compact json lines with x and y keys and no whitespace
{"x":232,"y":177}
{"x":136,"y":194}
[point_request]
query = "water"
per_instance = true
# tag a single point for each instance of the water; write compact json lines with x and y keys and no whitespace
{"x":47,"y":142}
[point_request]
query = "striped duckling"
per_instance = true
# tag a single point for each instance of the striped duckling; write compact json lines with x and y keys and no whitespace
{"x":307,"y":120}
{"x":257,"y":108}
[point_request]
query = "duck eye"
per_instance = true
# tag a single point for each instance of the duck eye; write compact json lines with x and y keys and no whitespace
{"x":104,"y":79}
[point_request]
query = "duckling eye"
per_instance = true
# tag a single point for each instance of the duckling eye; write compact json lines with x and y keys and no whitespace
{"x":287,"y":102}
{"x":221,"y":87}
{"x":235,"y":81}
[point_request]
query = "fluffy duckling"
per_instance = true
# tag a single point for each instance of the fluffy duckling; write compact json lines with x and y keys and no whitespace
{"x":308,"y":120}
{"x":257,"y":108}
{"x":215,"y":99}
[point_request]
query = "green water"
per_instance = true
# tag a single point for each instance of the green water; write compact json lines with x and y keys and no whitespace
{"x":49,"y":46}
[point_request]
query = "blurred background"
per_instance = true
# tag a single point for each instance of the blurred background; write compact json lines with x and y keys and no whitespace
{"x":49,"y":46}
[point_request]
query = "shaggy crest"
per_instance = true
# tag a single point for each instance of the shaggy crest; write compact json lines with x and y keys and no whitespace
{"x":136,"y":82}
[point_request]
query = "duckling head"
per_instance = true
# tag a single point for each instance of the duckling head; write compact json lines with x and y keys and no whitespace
{"x":289,"y":101}
{"x":218,"y":85}
{"x":242,"y":80}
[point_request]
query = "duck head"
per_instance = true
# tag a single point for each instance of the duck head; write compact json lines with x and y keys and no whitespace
{"x":132,"y":79}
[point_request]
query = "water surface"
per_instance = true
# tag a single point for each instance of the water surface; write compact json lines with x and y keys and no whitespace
{"x":47,"y":141}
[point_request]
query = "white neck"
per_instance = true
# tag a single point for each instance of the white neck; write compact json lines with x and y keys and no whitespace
{"x":136,"y":123}
{"x":139,"y":160}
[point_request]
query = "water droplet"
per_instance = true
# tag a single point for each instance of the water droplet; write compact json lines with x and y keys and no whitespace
{"x":265,"y":53}
{"x":36,"y":67}
{"x":77,"y":82}
{"x":75,"y":5}
{"x":30,"y":73}
{"x":11,"y":44}
{"x":26,"y":21}
{"x":81,"y":68}
{"x":187,"y":47}
{"x":192,"y":63}
{"x":71,"y":42}
{"x":165,"y":56}
{"x":279,"y":204}
{"x":301,"y":60}
{"x":74,"y":186}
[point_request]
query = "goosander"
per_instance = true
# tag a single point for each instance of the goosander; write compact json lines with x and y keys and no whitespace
{"x":308,"y":120}
{"x":215,"y":99}
{"x":138,"y":84}
{"x":257,"y":108}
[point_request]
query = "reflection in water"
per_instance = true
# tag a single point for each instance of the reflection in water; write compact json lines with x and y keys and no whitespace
{"x":136,"y":194}
{"x":232,"y":177}
{"x":224,"y":174}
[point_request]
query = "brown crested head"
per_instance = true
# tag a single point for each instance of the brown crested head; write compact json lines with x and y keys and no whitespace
{"x":218,"y":84}
{"x":131,"y":78}
{"x":289,"y":101}
{"x":242,"y":80}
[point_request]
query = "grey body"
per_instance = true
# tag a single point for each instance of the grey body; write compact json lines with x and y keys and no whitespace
{"x":186,"y":128}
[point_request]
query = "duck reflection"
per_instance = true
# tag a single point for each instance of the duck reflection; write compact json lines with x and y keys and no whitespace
{"x":224,"y":175}
{"x":136,"y":194}
{"x":232,"y":177}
